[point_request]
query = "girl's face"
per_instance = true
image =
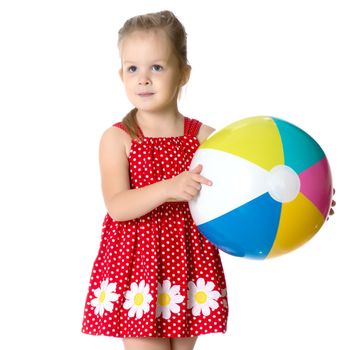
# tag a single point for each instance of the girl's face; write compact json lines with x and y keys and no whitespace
{"x":150,"y":71}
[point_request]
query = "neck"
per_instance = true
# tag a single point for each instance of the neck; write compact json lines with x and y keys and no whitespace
{"x":158,"y":119}
{"x":165,"y":123}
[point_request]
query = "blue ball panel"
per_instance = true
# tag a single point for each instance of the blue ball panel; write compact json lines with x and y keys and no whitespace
{"x":248,"y":231}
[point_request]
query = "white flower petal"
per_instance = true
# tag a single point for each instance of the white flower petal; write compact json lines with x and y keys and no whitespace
{"x":101,"y":310}
{"x":111,"y":287}
{"x":108,"y":306}
{"x":128,"y":304}
{"x":97,"y":309}
{"x":191,"y":286}
{"x":178,"y":298}
{"x":94,"y":302}
{"x":134,"y":287}
{"x":146,"y":289}
{"x":200,"y":283}
{"x":214,"y":294}
{"x":139,"y":313}
{"x":104,"y":284}
{"x":190,"y":301}
{"x":129,"y":295}
{"x":148,"y":298}
{"x":142,"y":286}
{"x":205,"y":310}
{"x":175,"y":289}
{"x":97,"y":292}
{"x":166,"y":313}
{"x":209,"y":286}
{"x":145,"y":307}
{"x":213,"y":304}
{"x":166,"y":284}
{"x":175,"y":308}
{"x":196,"y":310}
{"x":112,"y":297}
{"x":132,"y":311}
{"x":191,"y":293}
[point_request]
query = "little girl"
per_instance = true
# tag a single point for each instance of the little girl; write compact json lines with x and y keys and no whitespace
{"x":157,"y":282}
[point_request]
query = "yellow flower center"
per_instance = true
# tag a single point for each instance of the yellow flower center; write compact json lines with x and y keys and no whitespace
{"x":164,"y":299}
{"x":102,"y":297}
{"x":201,"y":297}
{"x":138,"y":299}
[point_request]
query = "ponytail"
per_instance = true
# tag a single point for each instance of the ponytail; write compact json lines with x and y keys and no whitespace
{"x":130,"y":123}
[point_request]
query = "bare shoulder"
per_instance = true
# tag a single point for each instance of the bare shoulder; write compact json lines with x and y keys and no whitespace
{"x":204,"y":132}
{"x":115,"y":133}
{"x":115,"y":138}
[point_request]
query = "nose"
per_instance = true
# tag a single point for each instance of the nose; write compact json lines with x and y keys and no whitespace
{"x":144,"y":79}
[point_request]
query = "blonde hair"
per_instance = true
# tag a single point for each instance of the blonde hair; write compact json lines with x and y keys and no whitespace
{"x":176,"y":33}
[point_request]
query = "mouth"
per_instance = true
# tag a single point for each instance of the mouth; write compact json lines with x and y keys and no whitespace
{"x":145,"y":94}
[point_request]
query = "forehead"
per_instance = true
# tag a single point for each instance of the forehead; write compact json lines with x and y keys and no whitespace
{"x":147,"y":45}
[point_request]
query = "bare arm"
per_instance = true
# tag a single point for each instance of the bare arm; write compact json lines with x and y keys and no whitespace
{"x":134,"y":203}
{"x":122,"y":202}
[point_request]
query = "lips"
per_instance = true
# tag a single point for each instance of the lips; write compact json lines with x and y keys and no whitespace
{"x":145,"y":94}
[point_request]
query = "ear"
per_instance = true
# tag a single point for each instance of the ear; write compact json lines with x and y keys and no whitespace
{"x":121,"y":73}
{"x":186,"y":73}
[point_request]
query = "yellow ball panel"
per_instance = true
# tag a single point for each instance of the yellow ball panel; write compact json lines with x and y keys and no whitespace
{"x":299,"y":222}
{"x":255,"y":139}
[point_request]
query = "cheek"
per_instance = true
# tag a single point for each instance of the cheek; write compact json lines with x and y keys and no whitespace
{"x":172,"y":82}
{"x":128,"y":84}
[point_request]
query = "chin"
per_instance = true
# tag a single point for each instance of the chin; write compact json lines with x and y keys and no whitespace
{"x":150,"y":109}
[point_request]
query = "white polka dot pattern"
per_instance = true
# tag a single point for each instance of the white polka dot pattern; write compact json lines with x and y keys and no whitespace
{"x":157,"y":275}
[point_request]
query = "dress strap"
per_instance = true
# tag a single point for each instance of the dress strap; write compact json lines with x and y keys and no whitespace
{"x":192,"y":126}
{"x":121,"y":126}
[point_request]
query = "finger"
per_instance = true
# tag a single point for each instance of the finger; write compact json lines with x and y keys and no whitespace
{"x":187,"y":197}
{"x":194,"y":187}
{"x":191,"y":191}
{"x":206,"y":181}
{"x":334,"y":203}
{"x":203,"y":180}
{"x":197,"y":169}
{"x":333,"y":191}
{"x":331,"y":212}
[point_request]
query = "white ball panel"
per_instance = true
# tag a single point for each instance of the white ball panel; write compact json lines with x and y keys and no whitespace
{"x":236,"y":181}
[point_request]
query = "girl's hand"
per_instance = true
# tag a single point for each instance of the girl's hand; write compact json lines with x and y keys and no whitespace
{"x":186,"y":185}
{"x":333,"y":204}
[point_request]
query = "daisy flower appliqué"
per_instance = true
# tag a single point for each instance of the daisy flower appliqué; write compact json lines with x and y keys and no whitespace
{"x":168,"y":298}
{"x":137,"y":299}
{"x":104,"y":297}
{"x":202,"y":297}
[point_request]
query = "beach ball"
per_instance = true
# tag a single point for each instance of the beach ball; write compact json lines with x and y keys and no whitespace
{"x":271,"y":192}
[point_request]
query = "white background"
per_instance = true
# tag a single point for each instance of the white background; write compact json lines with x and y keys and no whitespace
{"x":60,"y":90}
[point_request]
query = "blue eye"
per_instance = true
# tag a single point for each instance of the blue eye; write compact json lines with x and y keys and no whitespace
{"x":131,"y":69}
{"x":157,"y":67}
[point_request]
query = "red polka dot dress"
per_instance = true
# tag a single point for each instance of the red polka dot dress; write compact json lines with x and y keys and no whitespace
{"x":157,"y":275}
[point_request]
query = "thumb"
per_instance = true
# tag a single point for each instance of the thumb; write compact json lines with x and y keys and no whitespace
{"x":197,"y":169}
